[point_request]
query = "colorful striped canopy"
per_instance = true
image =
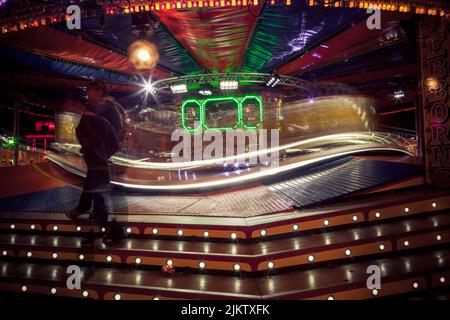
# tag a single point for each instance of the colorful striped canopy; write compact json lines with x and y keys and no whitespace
{"x":316,"y":43}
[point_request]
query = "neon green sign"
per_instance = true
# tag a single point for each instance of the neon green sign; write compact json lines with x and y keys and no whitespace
{"x":222,"y":113}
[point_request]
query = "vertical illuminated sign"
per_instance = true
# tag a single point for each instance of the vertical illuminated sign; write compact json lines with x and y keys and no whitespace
{"x":435,"y":107}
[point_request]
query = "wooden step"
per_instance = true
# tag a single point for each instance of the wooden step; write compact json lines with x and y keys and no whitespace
{"x":371,"y":209}
{"x":299,"y":250}
{"x":402,"y":274}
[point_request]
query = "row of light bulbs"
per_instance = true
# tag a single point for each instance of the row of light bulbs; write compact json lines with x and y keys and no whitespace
{"x":84,"y":293}
{"x":361,"y":4}
{"x":271,"y":265}
{"x":180,"y":232}
{"x":118,"y":296}
{"x":376,"y":292}
{"x":236,"y":267}
{"x":53,"y":291}
{"x":150,"y":6}
{"x":383,"y":5}
{"x":189,"y":4}
{"x":233,"y":235}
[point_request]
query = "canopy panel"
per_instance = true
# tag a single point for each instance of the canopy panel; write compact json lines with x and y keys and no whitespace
{"x":283,"y":33}
{"x":63,"y":68}
{"x":389,"y":56}
{"x":217,"y":37}
{"x":50,"y":42}
{"x":351,"y":42}
{"x":118,"y":32}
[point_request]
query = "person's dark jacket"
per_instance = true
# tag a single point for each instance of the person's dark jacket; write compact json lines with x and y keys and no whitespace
{"x":97,"y":136}
{"x":114,"y":113}
{"x":100,"y":133}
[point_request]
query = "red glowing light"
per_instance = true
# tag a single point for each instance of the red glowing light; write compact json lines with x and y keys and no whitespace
{"x":39,"y":136}
{"x":48,"y":126}
{"x":397,"y":111}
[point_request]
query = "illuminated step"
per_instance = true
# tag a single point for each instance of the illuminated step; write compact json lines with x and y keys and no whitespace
{"x":398,"y":275}
{"x":367,"y":209}
{"x":262,"y":256}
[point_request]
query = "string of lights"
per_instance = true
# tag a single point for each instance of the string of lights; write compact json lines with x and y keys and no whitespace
{"x":44,"y":15}
{"x":29,"y":113}
{"x":418,"y":7}
{"x":171,"y":5}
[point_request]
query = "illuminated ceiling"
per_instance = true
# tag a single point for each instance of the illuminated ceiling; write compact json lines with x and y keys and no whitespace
{"x":316,"y":43}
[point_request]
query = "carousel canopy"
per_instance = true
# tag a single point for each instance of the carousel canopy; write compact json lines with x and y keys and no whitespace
{"x":317,"y":40}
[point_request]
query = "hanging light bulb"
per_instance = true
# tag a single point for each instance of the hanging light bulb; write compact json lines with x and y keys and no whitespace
{"x":143,"y":55}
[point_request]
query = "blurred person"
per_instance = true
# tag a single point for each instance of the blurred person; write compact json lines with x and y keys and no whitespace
{"x":99,"y":133}
{"x":73,"y":104}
